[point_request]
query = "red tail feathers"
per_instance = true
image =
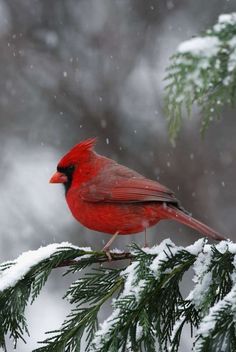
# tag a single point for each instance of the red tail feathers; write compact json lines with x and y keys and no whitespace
{"x":178,"y":215}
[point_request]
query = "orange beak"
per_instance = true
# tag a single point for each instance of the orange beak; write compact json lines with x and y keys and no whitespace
{"x":58,"y":177}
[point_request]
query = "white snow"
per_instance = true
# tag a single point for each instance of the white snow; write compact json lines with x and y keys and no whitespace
{"x":158,"y":261}
{"x":129,"y":274}
{"x":232,"y":42}
{"x":203,"y":46}
{"x":162,"y":249}
{"x":139,"y":332}
{"x":228,"y":18}
{"x":203,"y":276}
{"x":155,"y":250}
{"x":198,"y":294}
{"x":223,"y":246}
{"x":224,"y":20}
{"x":227,"y":80}
{"x":209,"y":321}
{"x":22,"y":265}
{"x":103,"y":331}
{"x":196,"y":247}
{"x":116,"y":251}
{"x":132,"y":287}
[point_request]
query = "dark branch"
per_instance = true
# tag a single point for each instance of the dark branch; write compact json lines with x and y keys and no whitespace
{"x":100,"y":259}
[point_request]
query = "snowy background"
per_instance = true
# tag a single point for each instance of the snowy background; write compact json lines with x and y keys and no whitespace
{"x":77,"y":69}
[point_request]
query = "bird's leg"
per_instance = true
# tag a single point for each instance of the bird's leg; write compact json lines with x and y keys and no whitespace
{"x":145,"y":238}
{"x":106,"y":248}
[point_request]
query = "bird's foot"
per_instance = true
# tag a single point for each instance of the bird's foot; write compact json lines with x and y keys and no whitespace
{"x":145,"y":239}
{"x":106,"y":250}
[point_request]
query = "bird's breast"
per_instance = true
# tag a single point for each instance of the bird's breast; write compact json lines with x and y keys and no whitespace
{"x":127,"y":218}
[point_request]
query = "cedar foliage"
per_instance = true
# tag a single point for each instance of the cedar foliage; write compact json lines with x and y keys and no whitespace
{"x":149,"y":310}
{"x":202,"y":75}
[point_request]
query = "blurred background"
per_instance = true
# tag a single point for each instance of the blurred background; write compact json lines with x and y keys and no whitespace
{"x":81,"y":68}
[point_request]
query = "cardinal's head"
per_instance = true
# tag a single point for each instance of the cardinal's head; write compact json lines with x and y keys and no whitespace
{"x":70,"y":162}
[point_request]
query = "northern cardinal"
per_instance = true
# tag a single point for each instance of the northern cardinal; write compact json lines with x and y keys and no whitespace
{"x":108,"y":197}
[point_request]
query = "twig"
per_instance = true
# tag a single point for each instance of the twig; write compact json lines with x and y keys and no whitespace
{"x":99,"y":259}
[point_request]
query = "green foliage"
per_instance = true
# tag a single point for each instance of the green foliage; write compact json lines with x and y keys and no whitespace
{"x":145,"y":312}
{"x":93,"y":290}
{"x":149,"y":310}
{"x":217,"y":328}
{"x":14,"y":299}
{"x":202,"y":74}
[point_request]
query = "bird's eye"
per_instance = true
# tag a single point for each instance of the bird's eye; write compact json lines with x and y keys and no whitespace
{"x":60,"y":169}
{"x":70,"y":168}
{"x":67,"y":169}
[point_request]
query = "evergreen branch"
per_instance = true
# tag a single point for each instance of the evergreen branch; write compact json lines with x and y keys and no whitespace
{"x":217,"y":329}
{"x":148,"y":309}
{"x":151,"y":278}
{"x":84,"y":320}
{"x":25,"y":277}
{"x":203,"y":71}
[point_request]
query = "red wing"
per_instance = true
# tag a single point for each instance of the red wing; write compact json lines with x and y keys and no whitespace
{"x":125,"y":187}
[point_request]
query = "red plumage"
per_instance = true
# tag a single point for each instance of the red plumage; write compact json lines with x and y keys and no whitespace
{"x":108,"y":197}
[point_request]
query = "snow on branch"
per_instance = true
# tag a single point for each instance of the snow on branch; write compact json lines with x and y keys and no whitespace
{"x":148,"y":308}
{"x":203,"y":71}
{"x":13,"y":272}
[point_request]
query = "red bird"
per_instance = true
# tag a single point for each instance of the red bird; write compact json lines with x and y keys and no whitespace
{"x":108,"y":197}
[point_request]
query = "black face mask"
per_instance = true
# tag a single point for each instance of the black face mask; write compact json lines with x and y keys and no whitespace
{"x":68,"y":171}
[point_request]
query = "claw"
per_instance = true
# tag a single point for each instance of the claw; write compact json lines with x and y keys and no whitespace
{"x":106,"y":250}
